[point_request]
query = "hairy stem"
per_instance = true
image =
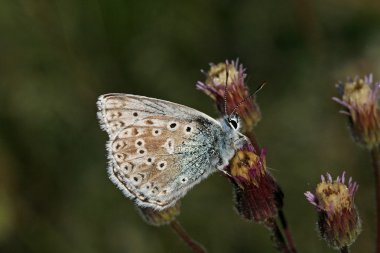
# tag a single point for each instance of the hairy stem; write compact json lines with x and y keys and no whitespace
{"x":287,"y":232}
{"x":277,"y":237}
{"x":375,"y":155}
{"x":181,"y":232}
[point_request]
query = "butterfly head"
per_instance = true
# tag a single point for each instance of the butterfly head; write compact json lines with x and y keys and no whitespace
{"x":233,"y":121}
{"x":231,"y":125}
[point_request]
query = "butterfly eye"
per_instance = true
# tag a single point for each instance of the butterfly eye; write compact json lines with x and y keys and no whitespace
{"x":233,"y":123}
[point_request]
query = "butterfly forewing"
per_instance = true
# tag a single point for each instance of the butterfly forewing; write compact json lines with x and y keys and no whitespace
{"x":157,"y":149}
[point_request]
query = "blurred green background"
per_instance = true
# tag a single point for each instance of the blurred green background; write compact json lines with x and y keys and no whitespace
{"x":58,"y":56}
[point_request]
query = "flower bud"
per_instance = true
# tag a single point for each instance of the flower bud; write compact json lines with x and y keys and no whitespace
{"x":258,"y":197}
{"x":237,"y":91}
{"x":359,"y":97}
{"x":338,"y":219}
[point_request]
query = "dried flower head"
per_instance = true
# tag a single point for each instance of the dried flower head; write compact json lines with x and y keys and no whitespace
{"x":237,"y":91}
{"x":258,"y":197}
{"x":360,"y":98}
{"x":159,"y":218}
{"x":338,"y":219}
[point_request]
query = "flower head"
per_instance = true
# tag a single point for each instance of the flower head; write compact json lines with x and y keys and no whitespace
{"x":338,"y":219}
{"x":233,"y":76}
{"x":159,"y":218}
{"x":258,"y":197}
{"x":360,"y":98}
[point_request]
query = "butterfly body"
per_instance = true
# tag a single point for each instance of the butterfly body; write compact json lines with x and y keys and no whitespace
{"x":158,"y":150}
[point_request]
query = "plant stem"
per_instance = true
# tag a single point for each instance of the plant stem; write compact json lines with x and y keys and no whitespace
{"x":181,"y":232}
{"x":375,"y":155}
{"x":271,"y":224}
{"x":287,"y":232}
{"x":344,"y":249}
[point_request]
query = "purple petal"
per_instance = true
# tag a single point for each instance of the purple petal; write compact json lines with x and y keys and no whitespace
{"x":329,"y":177}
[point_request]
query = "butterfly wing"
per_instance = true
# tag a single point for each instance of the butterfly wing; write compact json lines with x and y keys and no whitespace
{"x":157,"y":149}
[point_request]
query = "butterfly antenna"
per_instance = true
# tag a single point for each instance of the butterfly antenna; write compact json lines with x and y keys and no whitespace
{"x":245,"y":99}
{"x":225,"y":92}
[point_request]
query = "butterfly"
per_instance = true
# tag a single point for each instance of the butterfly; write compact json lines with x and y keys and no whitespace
{"x":158,"y":150}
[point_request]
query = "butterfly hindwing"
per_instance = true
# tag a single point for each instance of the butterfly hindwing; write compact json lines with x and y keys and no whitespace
{"x":157,"y":149}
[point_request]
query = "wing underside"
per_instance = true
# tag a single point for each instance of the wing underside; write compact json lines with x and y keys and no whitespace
{"x":157,"y":149}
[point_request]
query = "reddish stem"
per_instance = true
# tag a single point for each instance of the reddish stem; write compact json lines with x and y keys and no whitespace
{"x":287,"y":232}
{"x":181,"y":232}
{"x":279,"y":240}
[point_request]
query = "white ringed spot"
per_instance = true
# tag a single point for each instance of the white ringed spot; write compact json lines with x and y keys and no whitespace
{"x":161,"y":165}
{"x":172,"y":125}
{"x":149,"y":161}
{"x":156,"y":132}
{"x":183,"y":179}
{"x":139,"y":143}
{"x":147,"y":186}
{"x":188,"y":129}
{"x":136,"y":179}
{"x":141,"y":151}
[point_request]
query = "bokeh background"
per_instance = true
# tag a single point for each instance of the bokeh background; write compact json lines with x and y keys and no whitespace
{"x":58,"y":56}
